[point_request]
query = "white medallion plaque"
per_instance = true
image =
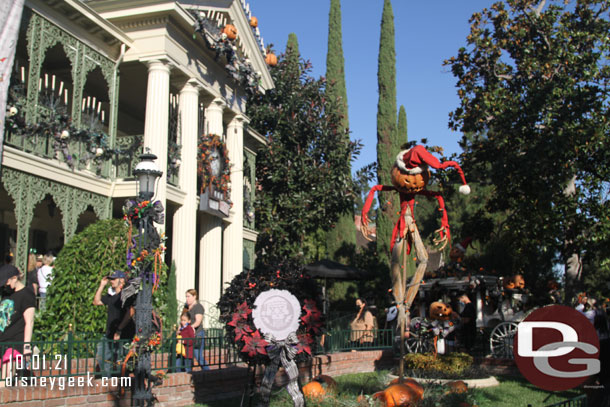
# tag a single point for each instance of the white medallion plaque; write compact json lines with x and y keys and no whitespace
{"x":276,"y":312}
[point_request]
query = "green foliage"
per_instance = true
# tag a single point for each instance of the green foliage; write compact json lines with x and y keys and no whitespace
{"x":402,"y":124}
{"x":388,"y":143}
{"x":303,"y":171}
{"x":90,"y":255}
{"x":534,"y":89}
{"x":452,"y":363}
{"x":80,"y":265}
{"x":344,"y":231}
{"x":170,"y":312}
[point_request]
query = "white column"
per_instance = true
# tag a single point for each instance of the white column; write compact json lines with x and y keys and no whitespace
{"x":210,"y":242}
{"x":157,"y":120}
{"x":184,"y":234}
{"x":233,"y":247}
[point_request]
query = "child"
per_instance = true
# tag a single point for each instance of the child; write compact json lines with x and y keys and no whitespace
{"x":186,"y":335}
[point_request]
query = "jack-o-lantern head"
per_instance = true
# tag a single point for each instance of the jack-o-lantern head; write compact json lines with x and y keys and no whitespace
{"x":519,"y":282}
{"x":231,"y":31}
{"x":253,"y":22}
{"x":410,"y":173}
{"x":409,"y":183}
{"x":508,"y":283}
{"x":440,"y":311}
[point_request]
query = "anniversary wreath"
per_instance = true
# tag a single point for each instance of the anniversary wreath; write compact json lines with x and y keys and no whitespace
{"x":237,"y":302}
{"x":212,"y":148}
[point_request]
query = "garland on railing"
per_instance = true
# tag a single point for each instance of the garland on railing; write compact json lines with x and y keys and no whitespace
{"x":55,"y":123}
{"x":212,"y":148}
{"x":238,"y":300}
{"x":240,"y":69}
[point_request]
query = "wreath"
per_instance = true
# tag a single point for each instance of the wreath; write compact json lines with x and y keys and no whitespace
{"x":237,"y":302}
{"x":208,"y":145}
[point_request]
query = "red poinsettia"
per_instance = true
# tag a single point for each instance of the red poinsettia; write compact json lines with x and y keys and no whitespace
{"x":242,"y":328}
{"x":255,"y":344}
{"x":243,"y":310}
{"x":305,"y":342}
{"x":311,"y":308}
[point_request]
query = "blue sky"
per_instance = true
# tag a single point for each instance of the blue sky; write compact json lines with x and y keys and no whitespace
{"x":427,"y":32}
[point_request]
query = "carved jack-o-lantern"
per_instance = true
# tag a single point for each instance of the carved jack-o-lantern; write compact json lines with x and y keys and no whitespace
{"x":271,"y":59}
{"x":439,"y":311}
{"x":409,"y":183}
{"x":519,"y":282}
{"x":314,"y":390}
{"x":508,"y":284}
{"x":398,"y":395}
{"x":253,"y":22}
{"x":231,"y":31}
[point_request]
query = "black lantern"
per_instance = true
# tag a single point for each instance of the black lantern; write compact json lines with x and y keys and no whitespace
{"x":147,"y":173}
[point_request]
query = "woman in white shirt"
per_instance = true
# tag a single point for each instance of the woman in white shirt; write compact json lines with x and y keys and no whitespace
{"x":45,"y":276}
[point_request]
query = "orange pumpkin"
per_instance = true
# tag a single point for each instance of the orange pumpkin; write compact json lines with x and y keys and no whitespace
{"x":413,"y":384}
{"x":409,"y":183}
{"x":271,"y":59}
{"x":397,"y":395}
{"x":231,"y":31}
{"x":314,"y":390}
{"x":439,"y":311}
{"x":457,"y":386}
{"x":253,"y":22}
{"x":519,"y":282}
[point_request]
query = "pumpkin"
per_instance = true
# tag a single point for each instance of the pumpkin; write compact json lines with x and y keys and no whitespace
{"x":413,"y":384}
{"x":253,"y":22}
{"x":457,"y":386}
{"x":314,"y":390}
{"x":519,"y":282}
{"x":409,"y":183}
{"x":230,"y":31}
{"x":508,"y":284}
{"x":440,"y":311}
{"x":398,"y":395}
{"x":271,"y":59}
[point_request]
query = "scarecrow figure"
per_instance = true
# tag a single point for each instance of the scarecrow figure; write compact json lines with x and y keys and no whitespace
{"x":410,"y":175}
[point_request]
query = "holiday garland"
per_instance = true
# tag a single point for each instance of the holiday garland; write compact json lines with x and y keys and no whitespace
{"x":55,"y":124}
{"x":211,"y":145}
{"x":237,"y":302}
{"x":240,"y":69}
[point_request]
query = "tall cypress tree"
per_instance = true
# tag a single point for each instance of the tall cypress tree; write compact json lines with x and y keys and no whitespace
{"x":402,"y":125}
{"x":340,"y":240}
{"x":402,"y":136}
{"x":388,"y":144}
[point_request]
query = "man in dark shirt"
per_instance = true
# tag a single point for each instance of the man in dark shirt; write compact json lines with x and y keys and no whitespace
{"x":119,"y":324}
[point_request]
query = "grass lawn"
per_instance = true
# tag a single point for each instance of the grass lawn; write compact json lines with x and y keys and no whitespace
{"x":513,"y":392}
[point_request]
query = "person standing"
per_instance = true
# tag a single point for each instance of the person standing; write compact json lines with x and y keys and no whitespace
{"x":468,"y":330}
{"x":119,"y":322}
{"x":45,"y":275}
{"x":196,"y":310}
{"x":32,"y":276}
{"x":16,"y":317}
{"x":362,"y":325}
{"x":186,"y":333}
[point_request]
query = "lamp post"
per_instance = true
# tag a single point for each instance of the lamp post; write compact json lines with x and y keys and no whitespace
{"x":147,"y":240}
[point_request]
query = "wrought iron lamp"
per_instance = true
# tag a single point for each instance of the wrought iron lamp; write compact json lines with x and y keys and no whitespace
{"x":147,"y":173}
{"x":148,"y":239}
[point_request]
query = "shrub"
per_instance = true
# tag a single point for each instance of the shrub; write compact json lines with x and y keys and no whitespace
{"x":79,"y":267}
{"x":452,"y":364}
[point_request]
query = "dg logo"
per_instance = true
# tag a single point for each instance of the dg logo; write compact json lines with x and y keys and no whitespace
{"x":556,"y":348}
